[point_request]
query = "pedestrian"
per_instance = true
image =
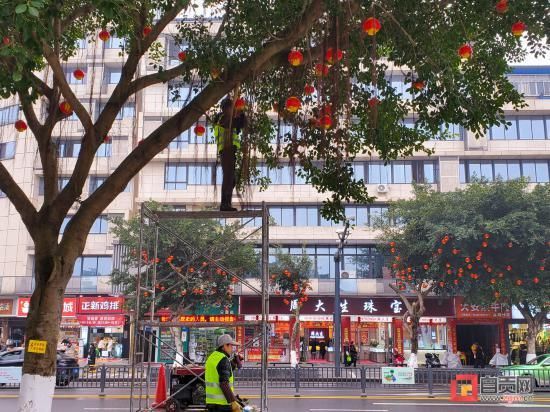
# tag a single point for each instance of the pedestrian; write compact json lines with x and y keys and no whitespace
{"x":91,"y":355}
{"x":313,"y":349}
{"x":346,"y":354}
{"x":499,"y":359}
{"x":322,"y":349}
{"x":101,"y":347}
{"x":522,"y":354}
{"x":478,"y":355}
{"x":228,"y":124}
{"x":219,"y":378}
{"x":110,"y":348}
{"x":353,"y":354}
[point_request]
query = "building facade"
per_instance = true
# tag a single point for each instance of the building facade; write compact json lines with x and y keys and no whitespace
{"x":181,"y":176}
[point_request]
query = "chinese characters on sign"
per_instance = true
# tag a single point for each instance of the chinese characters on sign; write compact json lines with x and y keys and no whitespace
{"x":6,"y":306}
{"x":474,"y":311}
{"x":101,"y":320}
{"x":506,"y":389}
{"x":207,"y":318}
{"x":107,"y":304}
{"x":37,"y":346}
{"x":69,"y":307}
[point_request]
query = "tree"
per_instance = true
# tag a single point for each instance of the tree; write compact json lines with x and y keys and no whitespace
{"x":488,"y":242}
{"x":193,"y":270}
{"x":290,"y":278}
{"x":345,"y":50}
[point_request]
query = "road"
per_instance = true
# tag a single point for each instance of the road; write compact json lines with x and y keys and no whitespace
{"x":322,"y":401}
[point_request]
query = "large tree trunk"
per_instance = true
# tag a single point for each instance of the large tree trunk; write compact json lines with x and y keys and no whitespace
{"x":176,"y":333}
{"x":52,"y":273}
{"x":414,"y":334}
{"x":535,"y":324}
{"x":295,"y":353}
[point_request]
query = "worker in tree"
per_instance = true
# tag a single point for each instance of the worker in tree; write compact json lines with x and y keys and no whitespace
{"x":228,"y":124}
{"x":219,"y":378}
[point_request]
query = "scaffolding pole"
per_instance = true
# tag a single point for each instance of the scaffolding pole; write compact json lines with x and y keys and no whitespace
{"x":265,"y":305}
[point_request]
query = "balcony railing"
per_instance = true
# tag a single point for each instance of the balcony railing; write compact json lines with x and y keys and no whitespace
{"x":23,"y":285}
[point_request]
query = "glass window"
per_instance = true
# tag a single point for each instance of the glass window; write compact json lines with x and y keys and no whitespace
{"x":298,"y":178}
{"x":175,"y":176}
{"x":9,"y":114}
{"x":112,"y":76}
{"x":323,"y":266}
{"x":402,"y":172}
{"x":104,"y":150}
{"x":531,"y":127}
{"x":505,"y":132}
{"x":537,"y":125}
{"x":180,"y":142}
{"x":362,"y":216}
{"x":69,"y":148}
{"x":287,"y":216}
{"x":93,"y":266}
{"x":95,"y":182}
{"x":81,"y":44}
{"x":514,"y":171}
{"x":199,"y":175}
{"x":180,"y":95}
{"x":307,"y":216}
{"x":282,"y":175}
{"x":462,"y":171}
{"x":379,"y":173}
{"x":501,"y":170}
{"x":542,"y":171}
{"x":429,"y":169}
{"x":66,"y":220}
{"x":100,"y":225}
{"x":358,"y":170}
{"x":452,"y":131}
{"x":7,"y":150}
{"x":115,"y":43}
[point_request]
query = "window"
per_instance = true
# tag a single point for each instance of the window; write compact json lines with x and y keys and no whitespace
{"x":100,"y":225}
{"x":61,"y":183}
{"x":7,"y":150}
{"x":126,"y":112}
{"x":402,"y":172}
{"x":95,"y":182}
{"x":175,"y":176}
{"x":112,"y":75}
{"x":534,"y":170}
{"x":505,"y":132}
{"x":531,"y":127}
{"x":523,"y":128}
{"x":93,"y":266}
{"x":282,"y":175}
{"x":180,"y":94}
{"x":199,"y":174}
{"x":180,"y":142}
{"x":104,"y":150}
{"x":81,"y":44}
{"x":9,"y":114}
{"x":69,"y":76}
{"x":307,"y":216}
{"x":283,"y":216}
{"x":115,"y":43}
{"x":452,"y":131}
{"x":173,"y":50}
{"x":68,"y":148}
{"x":378,"y":173}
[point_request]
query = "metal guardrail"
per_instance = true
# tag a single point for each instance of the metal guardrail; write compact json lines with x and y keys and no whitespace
{"x":322,"y":377}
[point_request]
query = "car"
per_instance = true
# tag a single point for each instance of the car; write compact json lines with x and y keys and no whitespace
{"x":67,"y":367}
{"x":538,"y":368}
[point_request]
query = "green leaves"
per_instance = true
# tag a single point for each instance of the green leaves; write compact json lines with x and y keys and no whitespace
{"x":21,"y":8}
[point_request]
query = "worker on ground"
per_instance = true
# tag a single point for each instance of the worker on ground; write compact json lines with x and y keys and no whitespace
{"x":228,"y":124}
{"x":219,"y":378}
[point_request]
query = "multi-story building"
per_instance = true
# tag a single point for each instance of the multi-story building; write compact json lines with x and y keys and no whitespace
{"x":181,"y":175}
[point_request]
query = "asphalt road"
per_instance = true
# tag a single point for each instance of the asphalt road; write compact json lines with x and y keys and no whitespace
{"x":327,"y":401}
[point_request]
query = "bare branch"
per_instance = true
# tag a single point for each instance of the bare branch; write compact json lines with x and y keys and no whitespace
{"x":151,"y":79}
{"x":18,"y":198}
{"x":76,"y":14}
{"x":30,"y":115}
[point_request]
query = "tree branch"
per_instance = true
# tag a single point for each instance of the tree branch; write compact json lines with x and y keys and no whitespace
{"x":185,"y":118}
{"x":18,"y":198}
{"x":76,"y":14}
{"x":30,"y":115}
{"x":160,"y":77}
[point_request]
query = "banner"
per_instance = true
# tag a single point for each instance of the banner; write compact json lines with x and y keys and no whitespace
{"x":398,"y":335}
{"x":69,"y":307}
{"x":101,"y":321}
{"x":275,"y":355}
{"x":6,"y":307}
{"x":100,"y":304}
{"x":397,"y":376}
{"x":10,"y":375}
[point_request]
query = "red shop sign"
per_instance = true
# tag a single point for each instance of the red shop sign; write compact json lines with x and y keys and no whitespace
{"x":100,"y":304}
{"x":473,"y":311}
{"x":101,"y":320}
{"x":69,"y":307}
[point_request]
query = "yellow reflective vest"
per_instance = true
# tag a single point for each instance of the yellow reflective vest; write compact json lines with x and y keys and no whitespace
{"x":219,"y":135}
{"x":214,"y":393}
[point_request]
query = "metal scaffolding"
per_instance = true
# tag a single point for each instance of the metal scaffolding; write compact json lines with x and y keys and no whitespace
{"x":142,"y":324}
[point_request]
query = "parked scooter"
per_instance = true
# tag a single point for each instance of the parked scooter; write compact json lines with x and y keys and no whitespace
{"x":432,"y":360}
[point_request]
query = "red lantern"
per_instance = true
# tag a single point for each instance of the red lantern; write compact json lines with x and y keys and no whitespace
{"x":486,"y":236}
{"x":104,"y":35}
{"x":214,"y":73}
{"x":326,"y":122}
{"x":200,"y":130}
{"x":467,"y":260}
{"x":147,"y":30}
{"x":441,"y":284}
{"x":484,"y":244}
{"x":20,"y":126}
{"x":439,"y":251}
{"x":419,"y":84}
{"x":6,"y":40}
{"x":536,"y":280}
{"x":508,"y":268}
{"x":519,"y":282}
{"x":510,"y":245}
{"x":240,"y":104}
{"x":501,"y":275}
{"x":65,"y":108}
{"x":293,"y":104}
{"x":321,"y":70}
{"x":541,"y":268}
{"x":502,"y":6}
{"x":426,"y":267}
{"x":191,"y":269}
{"x":465,"y":51}
{"x":329,"y":55}
{"x":79,"y":74}
{"x":455,"y":251}
{"x":309,"y":89}
{"x":497,"y":295}
{"x":182,"y":56}
{"x":373,"y":101}
{"x":493,"y":281}
{"x":455,"y":281}
{"x":518,"y":28}
{"x":295,"y":58}
{"x":371,"y":26}
{"x":392,"y":244}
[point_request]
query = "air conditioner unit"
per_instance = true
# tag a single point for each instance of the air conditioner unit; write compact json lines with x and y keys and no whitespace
{"x":382,"y":188}
{"x":348,"y":274}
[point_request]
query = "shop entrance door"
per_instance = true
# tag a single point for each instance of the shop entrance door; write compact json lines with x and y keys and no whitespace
{"x":485,"y":335}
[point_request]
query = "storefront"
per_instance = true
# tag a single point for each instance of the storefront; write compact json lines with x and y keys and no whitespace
{"x":485,"y":325}
{"x":516,"y":330}
{"x":373,"y":324}
{"x":7,"y":321}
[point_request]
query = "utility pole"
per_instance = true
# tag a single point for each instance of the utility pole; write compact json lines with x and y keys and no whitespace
{"x":342,"y":237}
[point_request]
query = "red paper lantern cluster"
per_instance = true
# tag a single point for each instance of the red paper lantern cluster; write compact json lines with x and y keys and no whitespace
{"x":321,"y":70}
{"x":331,"y":57}
{"x":371,"y":26}
{"x":373,"y":102}
{"x":182,"y":56}
{"x":293,"y":104}
{"x":326,"y":122}
{"x":419,"y":85}
{"x":502,"y":6}
{"x":309,"y":89}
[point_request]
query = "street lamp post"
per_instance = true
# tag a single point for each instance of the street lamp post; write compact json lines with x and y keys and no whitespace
{"x":342,"y":236}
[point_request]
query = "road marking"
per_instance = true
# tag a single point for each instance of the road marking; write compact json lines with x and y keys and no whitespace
{"x":463,"y":405}
{"x":105,"y":409}
{"x":348,"y":410}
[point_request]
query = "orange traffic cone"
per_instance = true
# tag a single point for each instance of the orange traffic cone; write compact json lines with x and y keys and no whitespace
{"x":160,"y":396}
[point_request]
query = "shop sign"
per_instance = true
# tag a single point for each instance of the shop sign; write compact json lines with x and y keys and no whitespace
{"x":207,"y":318}
{"x":274,"y":354}
{"x":37,"y":346}
{"x":6,"y":307}
{"x":473,"y":311}
{"x":398,"y":341}
{"x":69,"y":307}
{"x":397,"y":376}
{"x":101,"y":304}
{"x":101,"y":321}
{"x":367,"y":306}
{"x":10,"y":375}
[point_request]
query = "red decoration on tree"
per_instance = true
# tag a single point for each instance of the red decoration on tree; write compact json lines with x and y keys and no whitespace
{"x":518,"y":28}
{"x":465,"y":51}
{"x":326,"y":122}
{"x":147,"y":30}
{"x":20,"y":126}
{"x":200,"y":130}
{"x":493,"y":281}
{"x":373,"y":101}
{"x":295,"y":58}
{"x":6,"y":40}
{"x":519,"y":282}
{"x":484,"y":244}
{"x":65,"y":108}
{"x":510,"y":245}
{"x":502,"y":6}
{"x":182,"y":56}
{"x":536,"y":280}
{"x":106,"y":139}
{"x":497,"y":295}
{"x":321,"y":70}
{"x":508,"y":268}
{"x":104,"y":35}
{"x":419,"y":84}
{"x":293,"y":104}
{"x":240,"y":104}
{"x":79,"y":74}
{"x":309,"y":89}
{"x":371,"y":26}
{"x":329,"y":55}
